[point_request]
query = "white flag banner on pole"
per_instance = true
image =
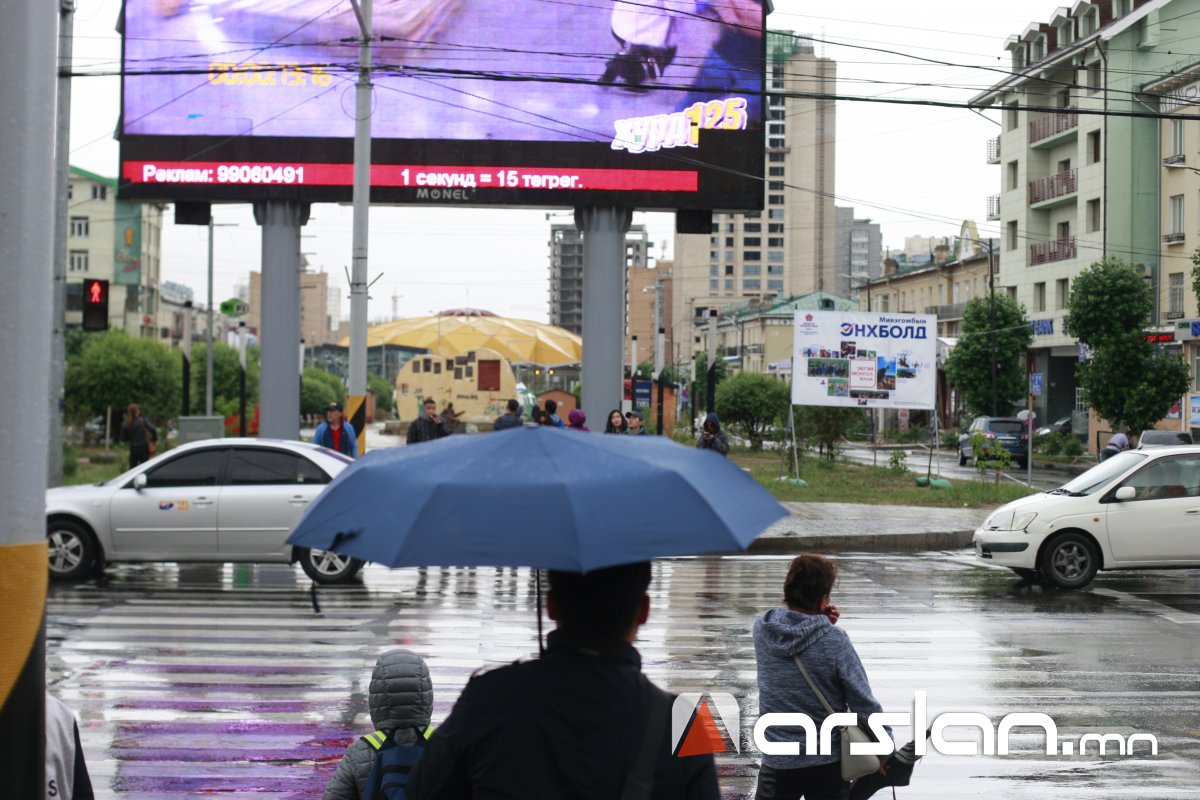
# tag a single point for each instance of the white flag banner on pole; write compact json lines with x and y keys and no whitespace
{"x":859,"y":359}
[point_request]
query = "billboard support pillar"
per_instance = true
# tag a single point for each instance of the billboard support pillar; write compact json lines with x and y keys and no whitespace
{"x":357,"y":383}
{"x":27,"y":62}
{"x":279,"y":392}
{"x":603,"y":232}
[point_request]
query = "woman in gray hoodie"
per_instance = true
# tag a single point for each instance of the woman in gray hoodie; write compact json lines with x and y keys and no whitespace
{"x":805,"y":629}
{"x":401,"y":701}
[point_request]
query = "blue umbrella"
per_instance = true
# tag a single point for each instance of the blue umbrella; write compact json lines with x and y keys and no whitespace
{"x":537,"y":497}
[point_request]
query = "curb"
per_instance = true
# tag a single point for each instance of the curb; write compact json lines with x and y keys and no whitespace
{"x":868,"y":542}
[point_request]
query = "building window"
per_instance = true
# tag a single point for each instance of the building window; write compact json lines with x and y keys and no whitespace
{"x":74,"y":297}
{"x":1010,"y":117}
{"x":1094,"y":155}
{"x":1120,"y":8}
{"x":1093,"y":215}
{"x":775,"y":213}
{"x":714,"y":286}
{"x":714,"y":270}
{"x":1176,"y":138}
{"x":752,"y":286}
{"x":775,"y":141}
{"x":728,"y":256}
{"x":1062,"y":292}
{"x":1093,"y":69}
{"x":775,"y":129}
{"x":728,"y":285}
{"x":729,"y":227}
{"x":775,"y":113}
{"x":712,"y":256}
{"x":729,"y":241}
{"x":99,"y":191}
{"x":752,"y":255}
{"x":1039,"y":297}
{"x":1065,"y":33}
{"x":751,"y":269}
{"x":777,"y":157}
{"x":1175,"y":294}
{"x":70,"y":191}
{"x":775,"y":241}
{"x":775,"y":255}
{"x":1012,"y":176}
{"x":775,"y":199}
{"x":752,"y":241}
{"x":774,"y":286}
{"x":77,"y":261}
{"x":1176,"y":213}
{"x":774,"y":227}
{"x":775,"y":172}
{"x":1010,"y":238}
{"x":752,"y":227}
{"x":79,"y":226}
{"x":774,"y":269}
{"x":729,"y":269}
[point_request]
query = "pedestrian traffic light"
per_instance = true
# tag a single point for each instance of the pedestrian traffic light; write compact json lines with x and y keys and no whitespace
{"x":95,"y":304}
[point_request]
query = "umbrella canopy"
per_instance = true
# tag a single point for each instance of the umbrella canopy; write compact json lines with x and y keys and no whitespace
{"x":537,"y":497}
{"x":455,"y":332}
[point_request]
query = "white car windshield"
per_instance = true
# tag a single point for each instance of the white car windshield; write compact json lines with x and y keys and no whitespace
{"x":1101,"y":475}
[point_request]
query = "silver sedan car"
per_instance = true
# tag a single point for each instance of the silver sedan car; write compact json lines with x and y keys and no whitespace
{"x":215,"y":500}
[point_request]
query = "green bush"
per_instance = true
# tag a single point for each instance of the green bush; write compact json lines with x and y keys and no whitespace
{"x":898,"y":461}
{"x":1052,"y":444}
{"x":1072,"y":446}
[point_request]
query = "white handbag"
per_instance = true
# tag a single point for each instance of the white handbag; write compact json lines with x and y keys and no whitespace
{"x":854,"y":765}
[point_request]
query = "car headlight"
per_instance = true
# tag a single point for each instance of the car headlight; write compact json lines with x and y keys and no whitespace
{"x":999,"y":521}
{"x":1021,"y":521}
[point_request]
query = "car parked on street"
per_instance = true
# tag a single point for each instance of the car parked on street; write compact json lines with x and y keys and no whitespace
{"x":1060,"y":425}
{"x":1156,"y":438}
{"x":1008,"y":433}
{"x":1138,"y":509}
{"x":213,"y":500}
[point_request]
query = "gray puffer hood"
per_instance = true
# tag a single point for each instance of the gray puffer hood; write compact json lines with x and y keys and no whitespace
{"x":401,"y":695}
{"x":789,"y":633}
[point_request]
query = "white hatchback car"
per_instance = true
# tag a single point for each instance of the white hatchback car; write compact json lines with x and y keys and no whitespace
{"x":1139,"y":509}
{"x":215,"y":500}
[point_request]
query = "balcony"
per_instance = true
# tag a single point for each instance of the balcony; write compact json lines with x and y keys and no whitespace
{"x":1051,"y":125}
{"x":1175,"y":237}
{"x":950,"y":312}
{"x":993,"y":207}
{"x":993,"y":151}
{"x":1054,"y":250}
{"x":1058,"y":186}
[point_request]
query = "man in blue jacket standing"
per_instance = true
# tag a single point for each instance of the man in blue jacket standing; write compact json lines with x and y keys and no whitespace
{"x":337,"y":434}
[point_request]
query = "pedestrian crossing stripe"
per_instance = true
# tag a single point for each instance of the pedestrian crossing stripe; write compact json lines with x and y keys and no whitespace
{"x":356,"y":415}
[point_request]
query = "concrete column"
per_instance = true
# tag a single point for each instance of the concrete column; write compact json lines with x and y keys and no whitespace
{"x":603,"y":308}
{"x":27,"y":62}
{"x":279,"y":331}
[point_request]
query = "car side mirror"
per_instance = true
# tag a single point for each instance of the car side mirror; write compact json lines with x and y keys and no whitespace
{"x":1125,"y":493}
{"x":139,"y":481}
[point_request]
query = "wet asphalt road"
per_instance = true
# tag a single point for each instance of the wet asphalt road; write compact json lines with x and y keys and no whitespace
{"x":215,"y":680}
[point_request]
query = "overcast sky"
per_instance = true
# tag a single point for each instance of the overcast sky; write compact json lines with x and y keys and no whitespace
{"x":915,"y":170}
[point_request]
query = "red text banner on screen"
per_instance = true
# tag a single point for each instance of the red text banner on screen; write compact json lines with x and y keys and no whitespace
{"x":295,"y":174}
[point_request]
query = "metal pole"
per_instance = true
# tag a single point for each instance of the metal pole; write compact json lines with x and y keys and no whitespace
{"x":187,"y":358}
{"x":357,"y":384}
{"x":658,"y":369}
{"x":208,"y":330}
{"x":603,"y":298}
{"x":992,"y":321}
{"x":710,"y":376}
{"x":58,"y":298}
{"x":27,"y":61}
{"x":242,"y":378}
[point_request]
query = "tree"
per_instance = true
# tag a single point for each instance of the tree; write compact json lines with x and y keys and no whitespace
{"x":319,"y":388}
{"x":113,"y":369}
{"x":225,"y":378}
{"x":990,"y":338}
{"x":384,"y":392}
{"x":1129,"y":381}
{"x":826,"y":425}
{"x":752,"y":402}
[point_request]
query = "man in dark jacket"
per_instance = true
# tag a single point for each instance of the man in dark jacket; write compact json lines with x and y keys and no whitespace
{"x":712,"y":437}
{"x":572,"y":723}
{"x":510,"y":419}
{"x":429,"y":426}
{"x":336,"y":433}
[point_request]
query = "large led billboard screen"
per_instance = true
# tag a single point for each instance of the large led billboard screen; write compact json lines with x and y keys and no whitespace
{"x":653,"y":104}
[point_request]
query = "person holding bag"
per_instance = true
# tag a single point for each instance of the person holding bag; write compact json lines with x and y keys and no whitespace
{"x":807,"y":665}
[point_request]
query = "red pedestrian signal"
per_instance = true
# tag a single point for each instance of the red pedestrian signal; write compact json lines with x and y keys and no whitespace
{"x":95,"y":304}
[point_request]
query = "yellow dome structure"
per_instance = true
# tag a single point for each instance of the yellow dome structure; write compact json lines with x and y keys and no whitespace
{"x":459,"y":331}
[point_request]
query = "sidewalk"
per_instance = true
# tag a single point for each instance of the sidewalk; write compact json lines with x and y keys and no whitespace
{"x":836,"y":527}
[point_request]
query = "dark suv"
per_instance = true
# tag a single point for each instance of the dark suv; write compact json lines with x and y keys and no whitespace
{"x":1008,"y":433}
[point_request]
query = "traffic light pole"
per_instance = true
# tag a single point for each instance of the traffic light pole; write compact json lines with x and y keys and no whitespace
{"x":357,"y":383}
{"x":58,"y":299}
{"x":27,"y":62}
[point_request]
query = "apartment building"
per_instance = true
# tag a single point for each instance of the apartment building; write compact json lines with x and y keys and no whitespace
{"x":790,"y":248}
{"x":566,"y":271}
{"x":650,"y":292}
{"x":858,"y":252}
{"x":117,"y":241}
{"x":315,"y":319}
{"x":1079,"y":182}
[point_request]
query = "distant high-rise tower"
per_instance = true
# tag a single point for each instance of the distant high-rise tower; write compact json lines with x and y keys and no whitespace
{"x":566,"y":271}
{"x":790,"y":248}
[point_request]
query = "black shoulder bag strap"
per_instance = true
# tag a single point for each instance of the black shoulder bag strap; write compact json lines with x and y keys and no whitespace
{"x":639,"y":785}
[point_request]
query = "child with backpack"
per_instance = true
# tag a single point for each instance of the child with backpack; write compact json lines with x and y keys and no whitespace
{"x":376,"y":766}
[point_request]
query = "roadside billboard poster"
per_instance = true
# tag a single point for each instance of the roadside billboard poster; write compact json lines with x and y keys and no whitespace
{"x":857,"y":359}
{"x":654,"y":104}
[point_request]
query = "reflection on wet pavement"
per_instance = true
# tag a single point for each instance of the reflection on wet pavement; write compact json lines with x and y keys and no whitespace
{"x":206,"y":680}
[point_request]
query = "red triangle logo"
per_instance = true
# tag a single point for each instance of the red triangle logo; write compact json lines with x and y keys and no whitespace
{"x":704,"y":734}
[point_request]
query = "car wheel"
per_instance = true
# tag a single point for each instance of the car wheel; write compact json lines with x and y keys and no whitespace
{"x":962,"y":457}
{"x":1069,"y":561}
{"x":324,"y":566}
{"x":72,"y":550}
